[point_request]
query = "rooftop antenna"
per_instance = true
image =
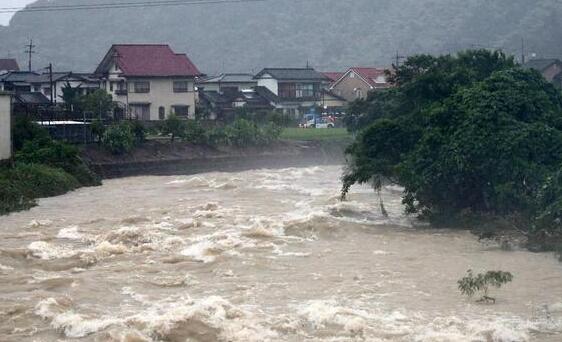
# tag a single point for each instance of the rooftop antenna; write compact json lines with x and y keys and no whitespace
{"x":29,"y":50}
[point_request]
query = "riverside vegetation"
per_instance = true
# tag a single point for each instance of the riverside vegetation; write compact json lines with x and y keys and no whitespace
{"x":41,"y":167}
{"x":474,"y":139}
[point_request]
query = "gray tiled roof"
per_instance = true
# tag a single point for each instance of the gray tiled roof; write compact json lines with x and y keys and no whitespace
{"x":541,"y":64}
{"x":297,"y":74}
{"x":230,"y":78}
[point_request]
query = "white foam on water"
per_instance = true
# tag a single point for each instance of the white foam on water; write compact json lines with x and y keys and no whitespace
{"x":6,"y":268}
{"x":70,"y":233}
{"x":39,"y":223}
{"x":48,"y":251}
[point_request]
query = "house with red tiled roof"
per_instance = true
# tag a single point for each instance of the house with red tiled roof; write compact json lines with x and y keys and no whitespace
{"x":333,"y":76}
{"x":357,"y":82}
{"x":149,"y":81}
{"x":8,"y":64}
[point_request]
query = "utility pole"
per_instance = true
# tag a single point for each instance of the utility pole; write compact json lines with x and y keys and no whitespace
{"x":29,"y":50}
{"x":398,"y":58}
{"x":522,"y":51}
{"x":50,"y":67}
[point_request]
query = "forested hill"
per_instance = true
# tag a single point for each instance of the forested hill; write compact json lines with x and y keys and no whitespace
{"x":329,"y":34}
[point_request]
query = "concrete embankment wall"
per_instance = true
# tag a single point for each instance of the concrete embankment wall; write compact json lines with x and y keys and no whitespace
{"x":306,"y":155}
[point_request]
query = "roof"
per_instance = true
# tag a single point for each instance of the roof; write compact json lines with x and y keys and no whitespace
{"x":267,"y":94}
{"x":368,"y":75}
{"x":230,"y":78}
{"x":9,"y":64}
{"x":19,"y":76}
{"x":58,"y":76}
{"x":296,"y":74}
{"x":32,"y":99}
{"x":225,"y":100}
{"x":541,"y":64}
{"x":148,"y":60}
{"x":333,"y":75}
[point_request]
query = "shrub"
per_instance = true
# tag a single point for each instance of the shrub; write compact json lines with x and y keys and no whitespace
{"x":57,"y":154}
{"x":119,"y":139}
{"x":193,"y":132}
{"x":98,"y":129}
{"x":138,"y":130}
{"x":173,"y":126}
{"x":24,"y":130}
{"x":21,"y":184}
{"x":481,"y":283}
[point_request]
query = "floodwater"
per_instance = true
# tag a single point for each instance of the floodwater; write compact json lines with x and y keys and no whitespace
{"x":261,"y":255}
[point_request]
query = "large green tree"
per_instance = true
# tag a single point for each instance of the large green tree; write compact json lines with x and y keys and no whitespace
{"x":470,"y":134}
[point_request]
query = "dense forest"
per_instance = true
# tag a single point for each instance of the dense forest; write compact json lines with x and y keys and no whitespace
{"x":329,"y":34}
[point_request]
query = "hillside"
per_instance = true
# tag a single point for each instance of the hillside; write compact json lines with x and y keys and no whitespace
{"x":330,"y":34}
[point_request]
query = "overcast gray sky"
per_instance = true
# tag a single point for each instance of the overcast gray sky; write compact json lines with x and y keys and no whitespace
{"x":5,"y":17}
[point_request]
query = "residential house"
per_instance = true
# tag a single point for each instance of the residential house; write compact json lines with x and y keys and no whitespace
{"x":85,"y":83}
{"x":19,"y":82}
{"x":333,"y":76}
{"x":550,"y":68}
{"x":295,"y":90}
{"x":356,"y":82}
{"x":224,"y":104}
{"x":5,"y":125}
{"x":227,"y":82}
{"x":8,"y":64}
{"x":149,"y":80}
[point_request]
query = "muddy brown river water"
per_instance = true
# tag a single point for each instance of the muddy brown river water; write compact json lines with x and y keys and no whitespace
{"x":261,"y":255}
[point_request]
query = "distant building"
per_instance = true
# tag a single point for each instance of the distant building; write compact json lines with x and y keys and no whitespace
{"x":8,"y":64}
{"x":550,"y":68}
{"x":150,"y":81}
{"x":86,"y":83}
{"x":333,"y":76}
{"x":5,"y":125}
{"x":223,"y":105}
{"x":227,"y":82}
{"x":357,"y":82}
{"x":20,"y":82}
{"x":295,"y":90}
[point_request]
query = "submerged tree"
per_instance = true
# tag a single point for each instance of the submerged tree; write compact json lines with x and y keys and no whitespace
{"x":481,"y":283}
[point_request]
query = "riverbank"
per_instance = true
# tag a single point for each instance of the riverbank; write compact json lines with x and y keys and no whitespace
{"x":160,"y":157}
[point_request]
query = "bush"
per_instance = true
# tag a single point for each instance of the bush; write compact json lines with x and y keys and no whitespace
{"x":173,"y":126}
{"x":25,"y":130}
{"x":119,"y":139}
{"x":193,"y":132}
{"x":471,"y":284}
{"x":21,"y":184}
{"x":138,"y":130}
{"x":57,"y":154}
{"x":98,"y":129}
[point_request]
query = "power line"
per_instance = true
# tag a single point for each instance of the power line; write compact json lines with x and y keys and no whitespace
{"x":141,"y":4}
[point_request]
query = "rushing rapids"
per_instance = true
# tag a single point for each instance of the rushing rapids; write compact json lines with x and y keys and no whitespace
{"x":263,"y":255}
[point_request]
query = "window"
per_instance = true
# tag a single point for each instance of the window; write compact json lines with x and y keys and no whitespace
{"x":287,"y":90}
{"x":181,"y":86}
{"x":110,"y":86}
{"x":352,"y":75}
{"x":181,"y":110}
{"x":305,"y":90}
{"x":359,"y":93}
{"x":161,"y":113}
{"x":140,"y":111}
{"x":142,"y":87}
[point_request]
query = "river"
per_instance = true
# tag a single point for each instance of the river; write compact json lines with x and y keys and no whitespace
{"x":260,"y":255}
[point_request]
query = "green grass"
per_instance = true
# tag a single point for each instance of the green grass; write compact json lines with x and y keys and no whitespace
{"x":315,"y":134}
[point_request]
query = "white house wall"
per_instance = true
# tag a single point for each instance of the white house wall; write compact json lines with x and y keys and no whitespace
{"x":5,"y":127}
{"x":270,"y":84}
{"x":161,"y":95}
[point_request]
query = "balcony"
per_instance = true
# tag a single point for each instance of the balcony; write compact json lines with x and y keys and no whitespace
{"x":121,"y":92}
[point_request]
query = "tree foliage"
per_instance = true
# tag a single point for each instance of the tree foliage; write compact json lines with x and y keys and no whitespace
{"x":471,"y":134}
{"x":481,"y":283}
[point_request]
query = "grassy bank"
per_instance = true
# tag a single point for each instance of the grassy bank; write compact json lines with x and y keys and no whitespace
{"x":40,"y":168}
{"x":309,"y":134}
